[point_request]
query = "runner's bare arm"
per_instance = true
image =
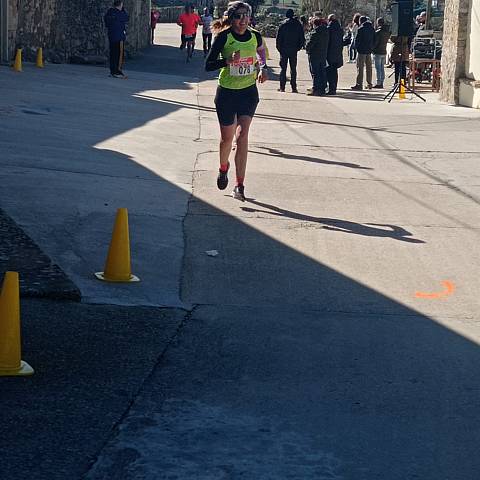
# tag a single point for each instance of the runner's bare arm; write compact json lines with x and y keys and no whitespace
{"x":262,"y":55}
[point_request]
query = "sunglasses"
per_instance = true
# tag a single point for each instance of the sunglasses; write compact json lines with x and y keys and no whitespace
{"x":239,"y":16}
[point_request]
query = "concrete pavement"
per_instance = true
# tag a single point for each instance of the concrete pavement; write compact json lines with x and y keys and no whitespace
{"x":323,"y":341}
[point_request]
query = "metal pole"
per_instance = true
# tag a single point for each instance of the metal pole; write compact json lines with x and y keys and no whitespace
{"x":429,"y":14}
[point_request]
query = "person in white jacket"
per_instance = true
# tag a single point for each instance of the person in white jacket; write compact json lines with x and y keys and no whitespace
{"x":353,"y":28}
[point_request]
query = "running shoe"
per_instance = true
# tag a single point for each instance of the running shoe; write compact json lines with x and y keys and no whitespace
{"x":222,"y":179}
{"x":239,"y":193}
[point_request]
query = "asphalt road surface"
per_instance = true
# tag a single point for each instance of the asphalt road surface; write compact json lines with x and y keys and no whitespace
{"x":334,"y":336}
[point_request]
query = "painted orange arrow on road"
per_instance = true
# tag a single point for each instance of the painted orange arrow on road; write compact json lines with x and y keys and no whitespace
{"x":449,"y":289}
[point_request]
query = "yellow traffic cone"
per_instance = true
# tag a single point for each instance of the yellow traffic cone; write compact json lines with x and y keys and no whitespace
{"x":11,"y":363}
{"x":401,"y":91}
{"x":117,"y":266}
{"x":17,"y":66}
{"x":40,"y":58}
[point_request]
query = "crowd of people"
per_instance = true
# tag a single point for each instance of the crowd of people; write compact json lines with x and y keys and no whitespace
{"x":324,"y":42}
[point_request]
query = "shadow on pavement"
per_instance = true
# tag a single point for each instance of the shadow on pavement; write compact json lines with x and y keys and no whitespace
{"x":396,"y":397}
{"x":193,"y":106}
{"x":336,"y":225}
{"x":274,"y":152}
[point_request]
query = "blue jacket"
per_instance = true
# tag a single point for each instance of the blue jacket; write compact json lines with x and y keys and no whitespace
{"x":115,"y":21}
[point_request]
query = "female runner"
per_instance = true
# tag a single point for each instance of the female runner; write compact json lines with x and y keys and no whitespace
{"x":239,"y":53}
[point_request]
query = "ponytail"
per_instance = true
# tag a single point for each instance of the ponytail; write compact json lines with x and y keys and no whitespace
{"x":221,"y":24}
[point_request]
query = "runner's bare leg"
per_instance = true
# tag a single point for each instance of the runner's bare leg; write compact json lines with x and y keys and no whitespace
{"x":241,"y":152}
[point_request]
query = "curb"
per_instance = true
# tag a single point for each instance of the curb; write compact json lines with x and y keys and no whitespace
{"x":39,"y":277}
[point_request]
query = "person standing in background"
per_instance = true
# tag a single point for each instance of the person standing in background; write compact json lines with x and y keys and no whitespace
{"x":334,"y":53}
{"x":364,"y":45}
{"x":154,"y":16}
{"x":382,"y":35}
{"x":352,"y":51}
{"x":304,"y":22}
{"x":115,"y":20}
{"x":290,"y":39}
{"x":400,"y":57}
{"x":317,"y":49}
{"x":207,"y":20}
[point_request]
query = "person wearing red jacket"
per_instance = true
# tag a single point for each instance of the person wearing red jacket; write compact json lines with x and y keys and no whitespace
{"x":154,"y":16}
{"x":189,"y":21}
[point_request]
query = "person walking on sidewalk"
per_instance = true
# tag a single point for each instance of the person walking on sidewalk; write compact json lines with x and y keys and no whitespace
{"x":382,"y":35}
{"x":290,"y":39}
{"x":115,"y":20}
{"x":334,"y":53}
{"x":207,"y":20}
{"x":317,"y":49}
{"x":154,"y":16}
{"x":239,"y":53}
{"x":364,"y":45}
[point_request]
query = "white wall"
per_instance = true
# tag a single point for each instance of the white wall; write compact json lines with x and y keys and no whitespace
{"x":472,"y":65}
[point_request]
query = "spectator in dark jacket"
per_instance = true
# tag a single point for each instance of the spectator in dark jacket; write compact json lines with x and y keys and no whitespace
{"x":290,"y":39}
{"x":115,"y":20}
{"x":317,"y":50}
{"x":364,"y":45}
{"x":382,"y":35}
{"x":400,"y":57}
{"x":334,"y":53}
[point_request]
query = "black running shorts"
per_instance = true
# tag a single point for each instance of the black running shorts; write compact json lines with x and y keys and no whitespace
{"x":232,"y":103}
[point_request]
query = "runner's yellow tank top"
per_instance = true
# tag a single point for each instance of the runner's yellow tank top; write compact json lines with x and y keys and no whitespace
{"x":243,"y":74}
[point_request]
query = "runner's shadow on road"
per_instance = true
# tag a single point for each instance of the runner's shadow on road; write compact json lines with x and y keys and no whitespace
{"x":337,"y":225}
{"x":273,"y":152}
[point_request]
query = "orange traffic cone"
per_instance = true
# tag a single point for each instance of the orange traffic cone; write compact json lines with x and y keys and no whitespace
{"x":117,"y":266}
{"x":11,"y":363}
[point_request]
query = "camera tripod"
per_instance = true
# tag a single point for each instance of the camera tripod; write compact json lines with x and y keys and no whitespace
{"x":396,"y":89}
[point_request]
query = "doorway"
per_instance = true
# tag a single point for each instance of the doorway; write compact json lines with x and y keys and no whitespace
{"x":4,"y":31}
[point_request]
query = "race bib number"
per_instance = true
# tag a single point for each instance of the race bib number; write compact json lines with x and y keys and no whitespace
{"x":242,"y":68}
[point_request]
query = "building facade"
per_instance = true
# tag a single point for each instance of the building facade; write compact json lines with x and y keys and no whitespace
{"x":67,"y":30}
{"x":460,"y":58}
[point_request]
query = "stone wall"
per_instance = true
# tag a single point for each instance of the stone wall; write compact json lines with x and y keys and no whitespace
{"x":455,"y":32}
{"x":72,"y":30}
